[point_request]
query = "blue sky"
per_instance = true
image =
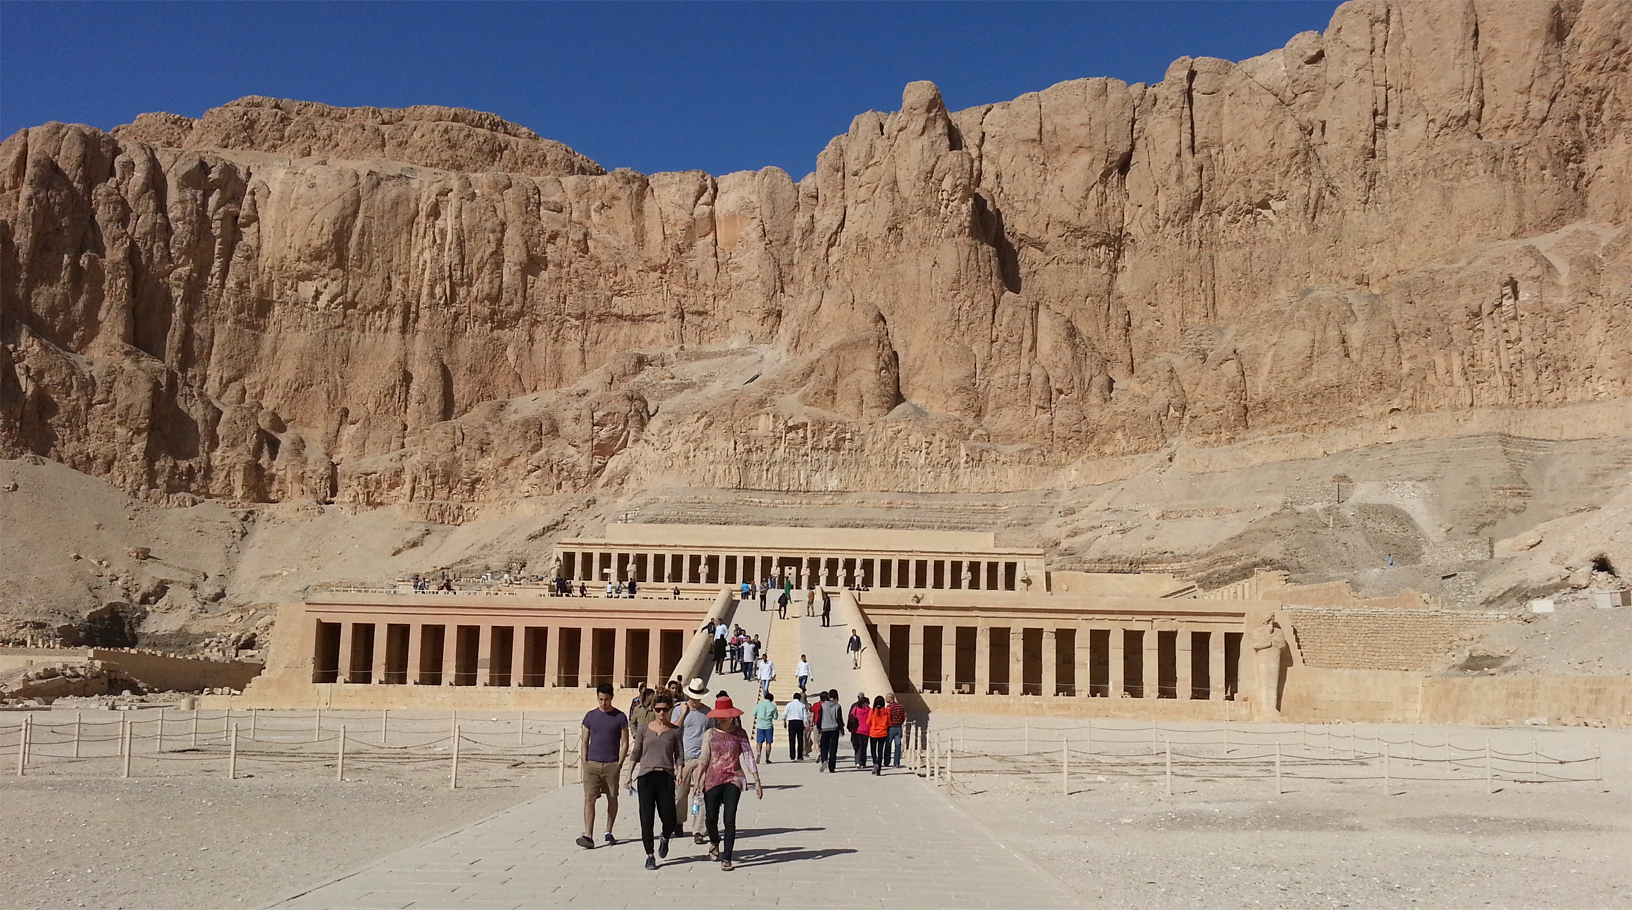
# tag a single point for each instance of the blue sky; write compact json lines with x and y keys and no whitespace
{"x":650,"y":86}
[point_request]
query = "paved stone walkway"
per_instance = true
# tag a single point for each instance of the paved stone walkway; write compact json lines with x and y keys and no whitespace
{"x":846,"y":840}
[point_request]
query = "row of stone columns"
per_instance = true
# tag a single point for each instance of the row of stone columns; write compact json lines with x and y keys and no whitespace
{"x":651,"y":567}
{"x":498,"y":654}
{"x":1115,"y":639}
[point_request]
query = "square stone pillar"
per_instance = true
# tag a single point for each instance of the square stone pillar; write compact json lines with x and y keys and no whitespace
{"x":382,"y":640}
{"x":484,"y":654}
{"x":343,"y":665}
{"x":1017,"y":659}
{"x":1151,"y":663}
{"x":983,"y":660}
{"x":1215,"y":664}
{"x":586,"y":654}
{"x":1118,"y":640}
{"x":518,"y":656}
{"x":915,"y":656}
{"x":654,"y":650}
{"x":416,"y":641}
{"x":552,"y":656}
{"x":620,"y":659}
{"x":450,"y":651}
{"x":1051,"y":662}
{"x":1181,"y":664}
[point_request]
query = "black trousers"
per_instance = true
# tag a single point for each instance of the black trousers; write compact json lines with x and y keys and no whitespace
{"x":796,"y":740}
{"x":858,"y":741}
{"x":656,"y":792}
{"x":880,"y":746}
{"x":725,"y":795}
{"x":829,"y":754}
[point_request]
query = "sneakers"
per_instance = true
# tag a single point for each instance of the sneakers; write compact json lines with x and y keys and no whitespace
{"x":585,"y":842}
{"x":609,"y":840}
{"x":651,"y":863}
{"x":662,"y":849}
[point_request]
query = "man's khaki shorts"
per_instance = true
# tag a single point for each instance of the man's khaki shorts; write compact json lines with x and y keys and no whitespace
{"x":602,"y":777}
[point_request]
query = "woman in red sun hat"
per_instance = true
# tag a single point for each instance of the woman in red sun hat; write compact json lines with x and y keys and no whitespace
{"x":727,"y":767}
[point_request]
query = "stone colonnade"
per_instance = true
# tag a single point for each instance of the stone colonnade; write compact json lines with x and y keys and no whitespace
{"x":714,"y":567}
{"x":475,"y":651}
{"x":1050,"y":658}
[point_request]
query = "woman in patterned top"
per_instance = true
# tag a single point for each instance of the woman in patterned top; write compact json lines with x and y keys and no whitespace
{"x":727,"y":766}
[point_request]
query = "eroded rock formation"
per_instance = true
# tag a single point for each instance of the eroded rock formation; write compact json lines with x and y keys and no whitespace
{"x":1423,"y":210}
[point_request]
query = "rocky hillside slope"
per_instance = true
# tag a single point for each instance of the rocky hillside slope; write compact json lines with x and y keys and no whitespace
{"x":1411,"y":227}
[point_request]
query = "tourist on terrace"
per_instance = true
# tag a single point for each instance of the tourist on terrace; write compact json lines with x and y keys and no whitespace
{"x":898,"y":722}
{"x":810,"y":602}
{"x":727,"y":766}
{"x":764,"y":726}
{"x":860,"y":725}
{"x":603,"y":743}
{"x":763,"y":589}
{"x":796,"y":716}
{"x":692,"y":719}
{"x":878,"y":731}
{"x":827,"y":608}
{"x":654,"y":760}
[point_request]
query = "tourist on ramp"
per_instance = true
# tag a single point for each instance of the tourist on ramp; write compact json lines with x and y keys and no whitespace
{"x":692,"y":718}
{"x":854,"y":648}
{"x":830,"y":723}
{"x":655,"y":758}
{"x":898,"y":722}
{"x":878,"y":730}
{"x":764,"y":725}
{"x":796,"y":715}
{"x":860,"y":725}
{"x":728,"y":765}
{"x":603,"y":744}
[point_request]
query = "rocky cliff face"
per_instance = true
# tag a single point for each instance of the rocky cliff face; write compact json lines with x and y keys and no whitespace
{"x":1422,"y":211}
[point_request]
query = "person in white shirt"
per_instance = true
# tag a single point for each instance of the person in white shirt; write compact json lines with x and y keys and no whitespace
{"x":803,"y":672}
{"x":796,"y":715}
{"x":750,"y":650}
{"x":767,"y":672}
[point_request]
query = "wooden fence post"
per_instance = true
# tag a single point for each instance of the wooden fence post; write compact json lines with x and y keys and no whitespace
{"x":124,"y":745}
{"x":453,"y":781}
{"x":232,"y":752}
{"x":22,"y":744}
{"x":340,"y":763}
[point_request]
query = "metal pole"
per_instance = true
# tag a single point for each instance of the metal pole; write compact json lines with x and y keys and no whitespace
{"x":254,"y":723}
{"x":1226,"y":734}
{"x":159,"y":747}
{"x":1169,"y":767}
{"x":561,"y":761}
{"x":949,"y":764}
{"x":1028,"y":736}
{"x":340,"y":763}
{"x":194,"y":743}
{"x":1388,"y":752}
{"x":960,"y":734}
{"x":22,"y":744}
{"x":1065,"y":767}
{"x":232,"y":752}
{"x":124,"y":745}
{"x":317,"y":724}
{"x":453,"y":780}
{"x":1278,"y":790}
{"x":1535,"y":764}
{"x":1090,"y":736}
{"x":1598,"y":762}
{"x":1490,"y":785}
{"x":385,"y":725}
{"x":76,"y":734}
{"x":521,"y":730}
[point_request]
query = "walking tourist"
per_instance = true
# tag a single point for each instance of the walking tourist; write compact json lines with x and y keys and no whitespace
{"x":721,"y":633}
{"x":763,"y":590}
{"x":853,"y":648}
{"x":654,"y":760}
{"x":878,"y":730}
{"x":692,"y":719}
{"x":767,"y":672}
{"x":795,"y":716}
{"x":782,"y":604}
{"x":640,"y":710}
{"x":802,"y":670}
{"x":860,"y":726}
{"x":727,"y":766}
{"x":829,"y":723}
{"x":603,"y":742}
{"x":810,"y":602}
{"x":764,"y":726}
{"x":750,"y":650}
{"x":898,"y":722}
{"x":827,"y":608}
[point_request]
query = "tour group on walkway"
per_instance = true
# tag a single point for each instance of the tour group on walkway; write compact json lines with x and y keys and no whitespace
{"x":689,"y":755}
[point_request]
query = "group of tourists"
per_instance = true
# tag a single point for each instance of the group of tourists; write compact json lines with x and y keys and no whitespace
{"x":688,"y":764}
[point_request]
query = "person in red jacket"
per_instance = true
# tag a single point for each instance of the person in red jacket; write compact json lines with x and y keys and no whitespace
{"x":878,"y":729}
{"x":860,"y":728}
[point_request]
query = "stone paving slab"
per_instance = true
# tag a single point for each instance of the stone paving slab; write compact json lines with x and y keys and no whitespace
{"x":846,"y":840}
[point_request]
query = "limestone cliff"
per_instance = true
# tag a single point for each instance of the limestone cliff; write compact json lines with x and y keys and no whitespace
{"x":1422,"y":212}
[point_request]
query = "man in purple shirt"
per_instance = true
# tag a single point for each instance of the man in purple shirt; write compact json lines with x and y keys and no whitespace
{"x":603,"y":743}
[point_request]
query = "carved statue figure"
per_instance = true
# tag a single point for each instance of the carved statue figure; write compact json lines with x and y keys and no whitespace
{"x":968,"y":577}
{"x":844,"y":577}
{"x":1268,"y":643}
{"x":804,"y":576}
